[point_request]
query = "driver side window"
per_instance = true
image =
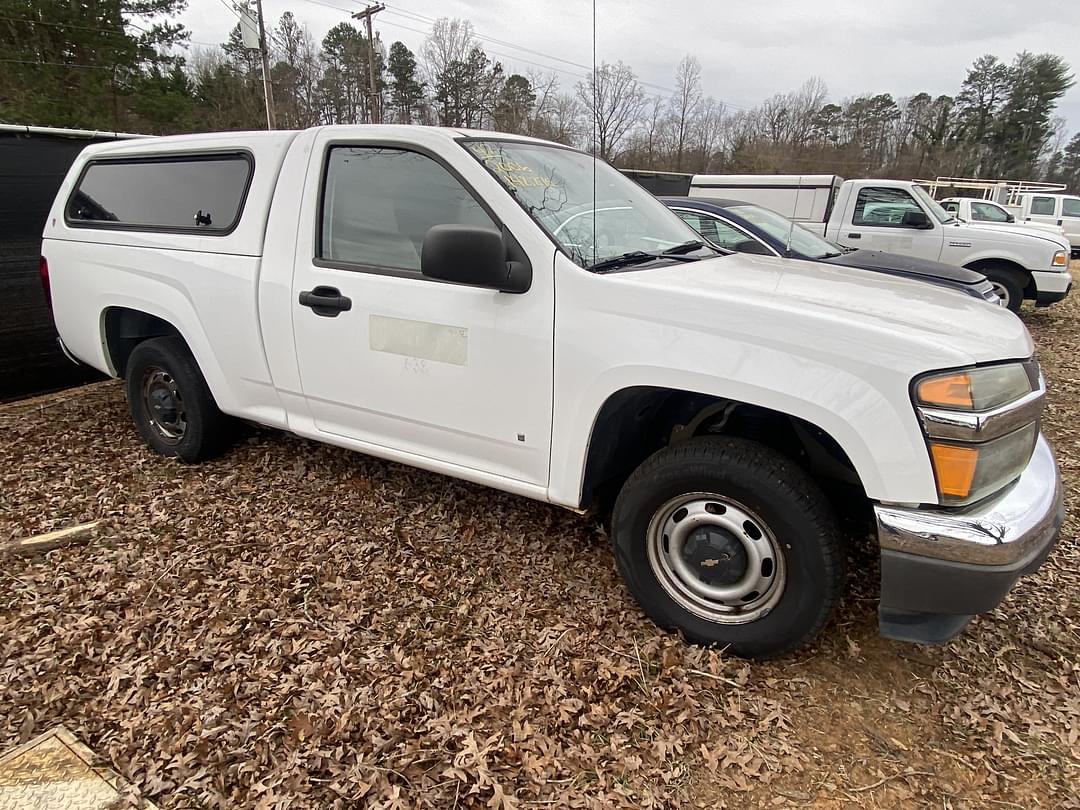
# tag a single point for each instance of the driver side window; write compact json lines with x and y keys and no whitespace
{"x":379,"y":203}
{"x":1042,"y":206}
{"x":984,"y":212}
{"x":884,"y":207}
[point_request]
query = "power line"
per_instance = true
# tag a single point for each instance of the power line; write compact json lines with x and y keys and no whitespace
{"x":57,"y":64}
{"x":235,"y":13}
{"x":74,"y":27}
{"x":507,"y":44}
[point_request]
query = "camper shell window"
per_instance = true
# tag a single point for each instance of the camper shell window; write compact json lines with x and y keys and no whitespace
{"x":177,"y":193}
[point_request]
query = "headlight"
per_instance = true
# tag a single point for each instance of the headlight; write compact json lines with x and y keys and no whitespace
{"x":981,"y":426}
{"x":976,"y":389}
{"x":1061,"y":259}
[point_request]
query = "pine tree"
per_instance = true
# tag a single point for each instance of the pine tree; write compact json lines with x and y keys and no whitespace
{"x":84,"y":64}
{"x":1023,"y":128}
{"x":406,"y":89}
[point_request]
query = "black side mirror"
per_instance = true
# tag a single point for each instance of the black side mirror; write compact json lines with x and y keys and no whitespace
{"x":467,"y":254}
{"x":752,"y":246}
{"x":1010,"y":218}
{"x":916,"y":219}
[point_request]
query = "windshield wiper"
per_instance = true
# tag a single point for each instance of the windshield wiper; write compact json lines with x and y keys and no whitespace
{"x":685,"y":247}
{"x":641,"y":256}
{"x":622,"y":260}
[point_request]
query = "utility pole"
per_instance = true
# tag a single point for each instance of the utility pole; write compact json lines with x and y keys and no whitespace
{"x":268,"y":91}
{"x":366,"y":15}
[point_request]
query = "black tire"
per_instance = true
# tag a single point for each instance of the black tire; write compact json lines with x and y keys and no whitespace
{"x":789,"y":504}
{"x":1010,"y":284}
{"x":206,"y":430}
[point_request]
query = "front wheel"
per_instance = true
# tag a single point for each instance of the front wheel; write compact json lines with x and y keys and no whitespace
{"x":1008,"y":284}
{"x":731,"y":543}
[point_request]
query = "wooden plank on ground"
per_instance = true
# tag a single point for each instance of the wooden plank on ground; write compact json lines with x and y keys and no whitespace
{"x":40,"y":543}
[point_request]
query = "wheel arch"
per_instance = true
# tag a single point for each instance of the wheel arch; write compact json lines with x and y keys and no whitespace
{"x":123,"y":325}
{"x":637,"y":421}
{"x":982,"y":265}
{"x":124,"y":328}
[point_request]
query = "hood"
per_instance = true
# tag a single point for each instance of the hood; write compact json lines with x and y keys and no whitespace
{"x":791,"y":302}
{"x":1040,"y":228}
{"x":1008,"y":234}
{"x":912,"y":266}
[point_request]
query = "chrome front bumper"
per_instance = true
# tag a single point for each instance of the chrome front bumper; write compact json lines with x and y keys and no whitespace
{"x":939,"y":567}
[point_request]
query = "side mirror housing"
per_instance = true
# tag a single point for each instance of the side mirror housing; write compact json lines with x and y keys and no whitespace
{"x":916,"y":219}
{"x":467,"y":254}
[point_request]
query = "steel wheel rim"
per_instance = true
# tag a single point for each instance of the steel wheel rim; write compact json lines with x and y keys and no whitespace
{"x":164,"y":405}
{"x":730,"y":536}
{"x":1002,"y":292}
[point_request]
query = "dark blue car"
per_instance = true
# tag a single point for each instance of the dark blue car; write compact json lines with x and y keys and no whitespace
{"x":747,"y":228}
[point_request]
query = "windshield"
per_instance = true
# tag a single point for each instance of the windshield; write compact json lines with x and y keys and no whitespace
{"x":556,"y":187}
{"x":939,"y":213}
{"x":806,"y":242}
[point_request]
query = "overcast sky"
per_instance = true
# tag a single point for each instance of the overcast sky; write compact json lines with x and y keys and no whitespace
{"x":749,"y":49}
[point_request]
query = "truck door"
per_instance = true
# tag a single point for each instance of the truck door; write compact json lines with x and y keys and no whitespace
{"x":876,"y":220}
{"x":1043,"y":209}
{"x":424,"y":370}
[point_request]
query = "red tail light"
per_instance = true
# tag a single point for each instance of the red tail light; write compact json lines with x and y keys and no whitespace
{"x":43,"y":271}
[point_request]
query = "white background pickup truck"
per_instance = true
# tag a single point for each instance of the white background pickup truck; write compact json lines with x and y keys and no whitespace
{"x":898,"y":216}
{"x":1052,"y":209}
{"x":401,"y":291}
{"x":989,"y":214}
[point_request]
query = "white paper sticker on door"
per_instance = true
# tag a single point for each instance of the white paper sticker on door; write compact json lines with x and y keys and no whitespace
{"x":428,"y":341}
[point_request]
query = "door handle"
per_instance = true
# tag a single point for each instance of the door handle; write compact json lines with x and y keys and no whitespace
{"x":325,"y":301}
{"x":854,"y":236}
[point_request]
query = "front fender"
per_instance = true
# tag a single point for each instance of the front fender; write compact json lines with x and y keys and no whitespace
{"x":878,"y":431}
{"x":831,"y":346}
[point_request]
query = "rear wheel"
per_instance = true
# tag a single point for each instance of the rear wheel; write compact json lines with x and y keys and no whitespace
{"x":731,"y":543}
{"x":170,"y":403}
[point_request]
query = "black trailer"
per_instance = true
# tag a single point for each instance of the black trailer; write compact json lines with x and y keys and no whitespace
{"x":33,"y":162}
{"x":662,"y":184}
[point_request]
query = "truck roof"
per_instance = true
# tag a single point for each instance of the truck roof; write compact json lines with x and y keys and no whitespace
{"x":279,"y":137}
{"x":767,"y":180}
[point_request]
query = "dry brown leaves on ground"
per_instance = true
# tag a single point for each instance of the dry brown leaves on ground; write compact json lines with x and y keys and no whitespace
{"x":295,"y":625}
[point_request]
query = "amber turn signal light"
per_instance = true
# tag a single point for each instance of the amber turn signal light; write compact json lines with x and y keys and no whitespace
{"x":953,"y":390}
{"x":955,"y":468}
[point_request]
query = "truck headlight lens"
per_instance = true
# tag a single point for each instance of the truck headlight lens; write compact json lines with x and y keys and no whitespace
{"x":976,"y":389}
{"x":968,"y":472}
{"x":1061,"y":259}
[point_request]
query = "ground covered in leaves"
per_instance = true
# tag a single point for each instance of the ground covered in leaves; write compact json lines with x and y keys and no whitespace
{"x":295,"y":625}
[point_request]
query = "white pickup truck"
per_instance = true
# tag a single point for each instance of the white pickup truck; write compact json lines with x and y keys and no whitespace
{"x":989,"y":214}
{"x":1062,"y":210}
{"x":898,"y":216}
{"x":400,"y":291}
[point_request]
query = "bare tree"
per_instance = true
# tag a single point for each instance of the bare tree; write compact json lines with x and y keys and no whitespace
{"x":449,"y":43}
{"x":565,"y":123}
{"x":685,"y":105}
{"x":712,"y":121}
{"x":546,"y":88}
{"x":614,"y":99}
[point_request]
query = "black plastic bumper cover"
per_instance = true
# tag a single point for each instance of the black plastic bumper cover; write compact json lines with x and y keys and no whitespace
{"x":1045,"y":299}
{"x":929,"y":601}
